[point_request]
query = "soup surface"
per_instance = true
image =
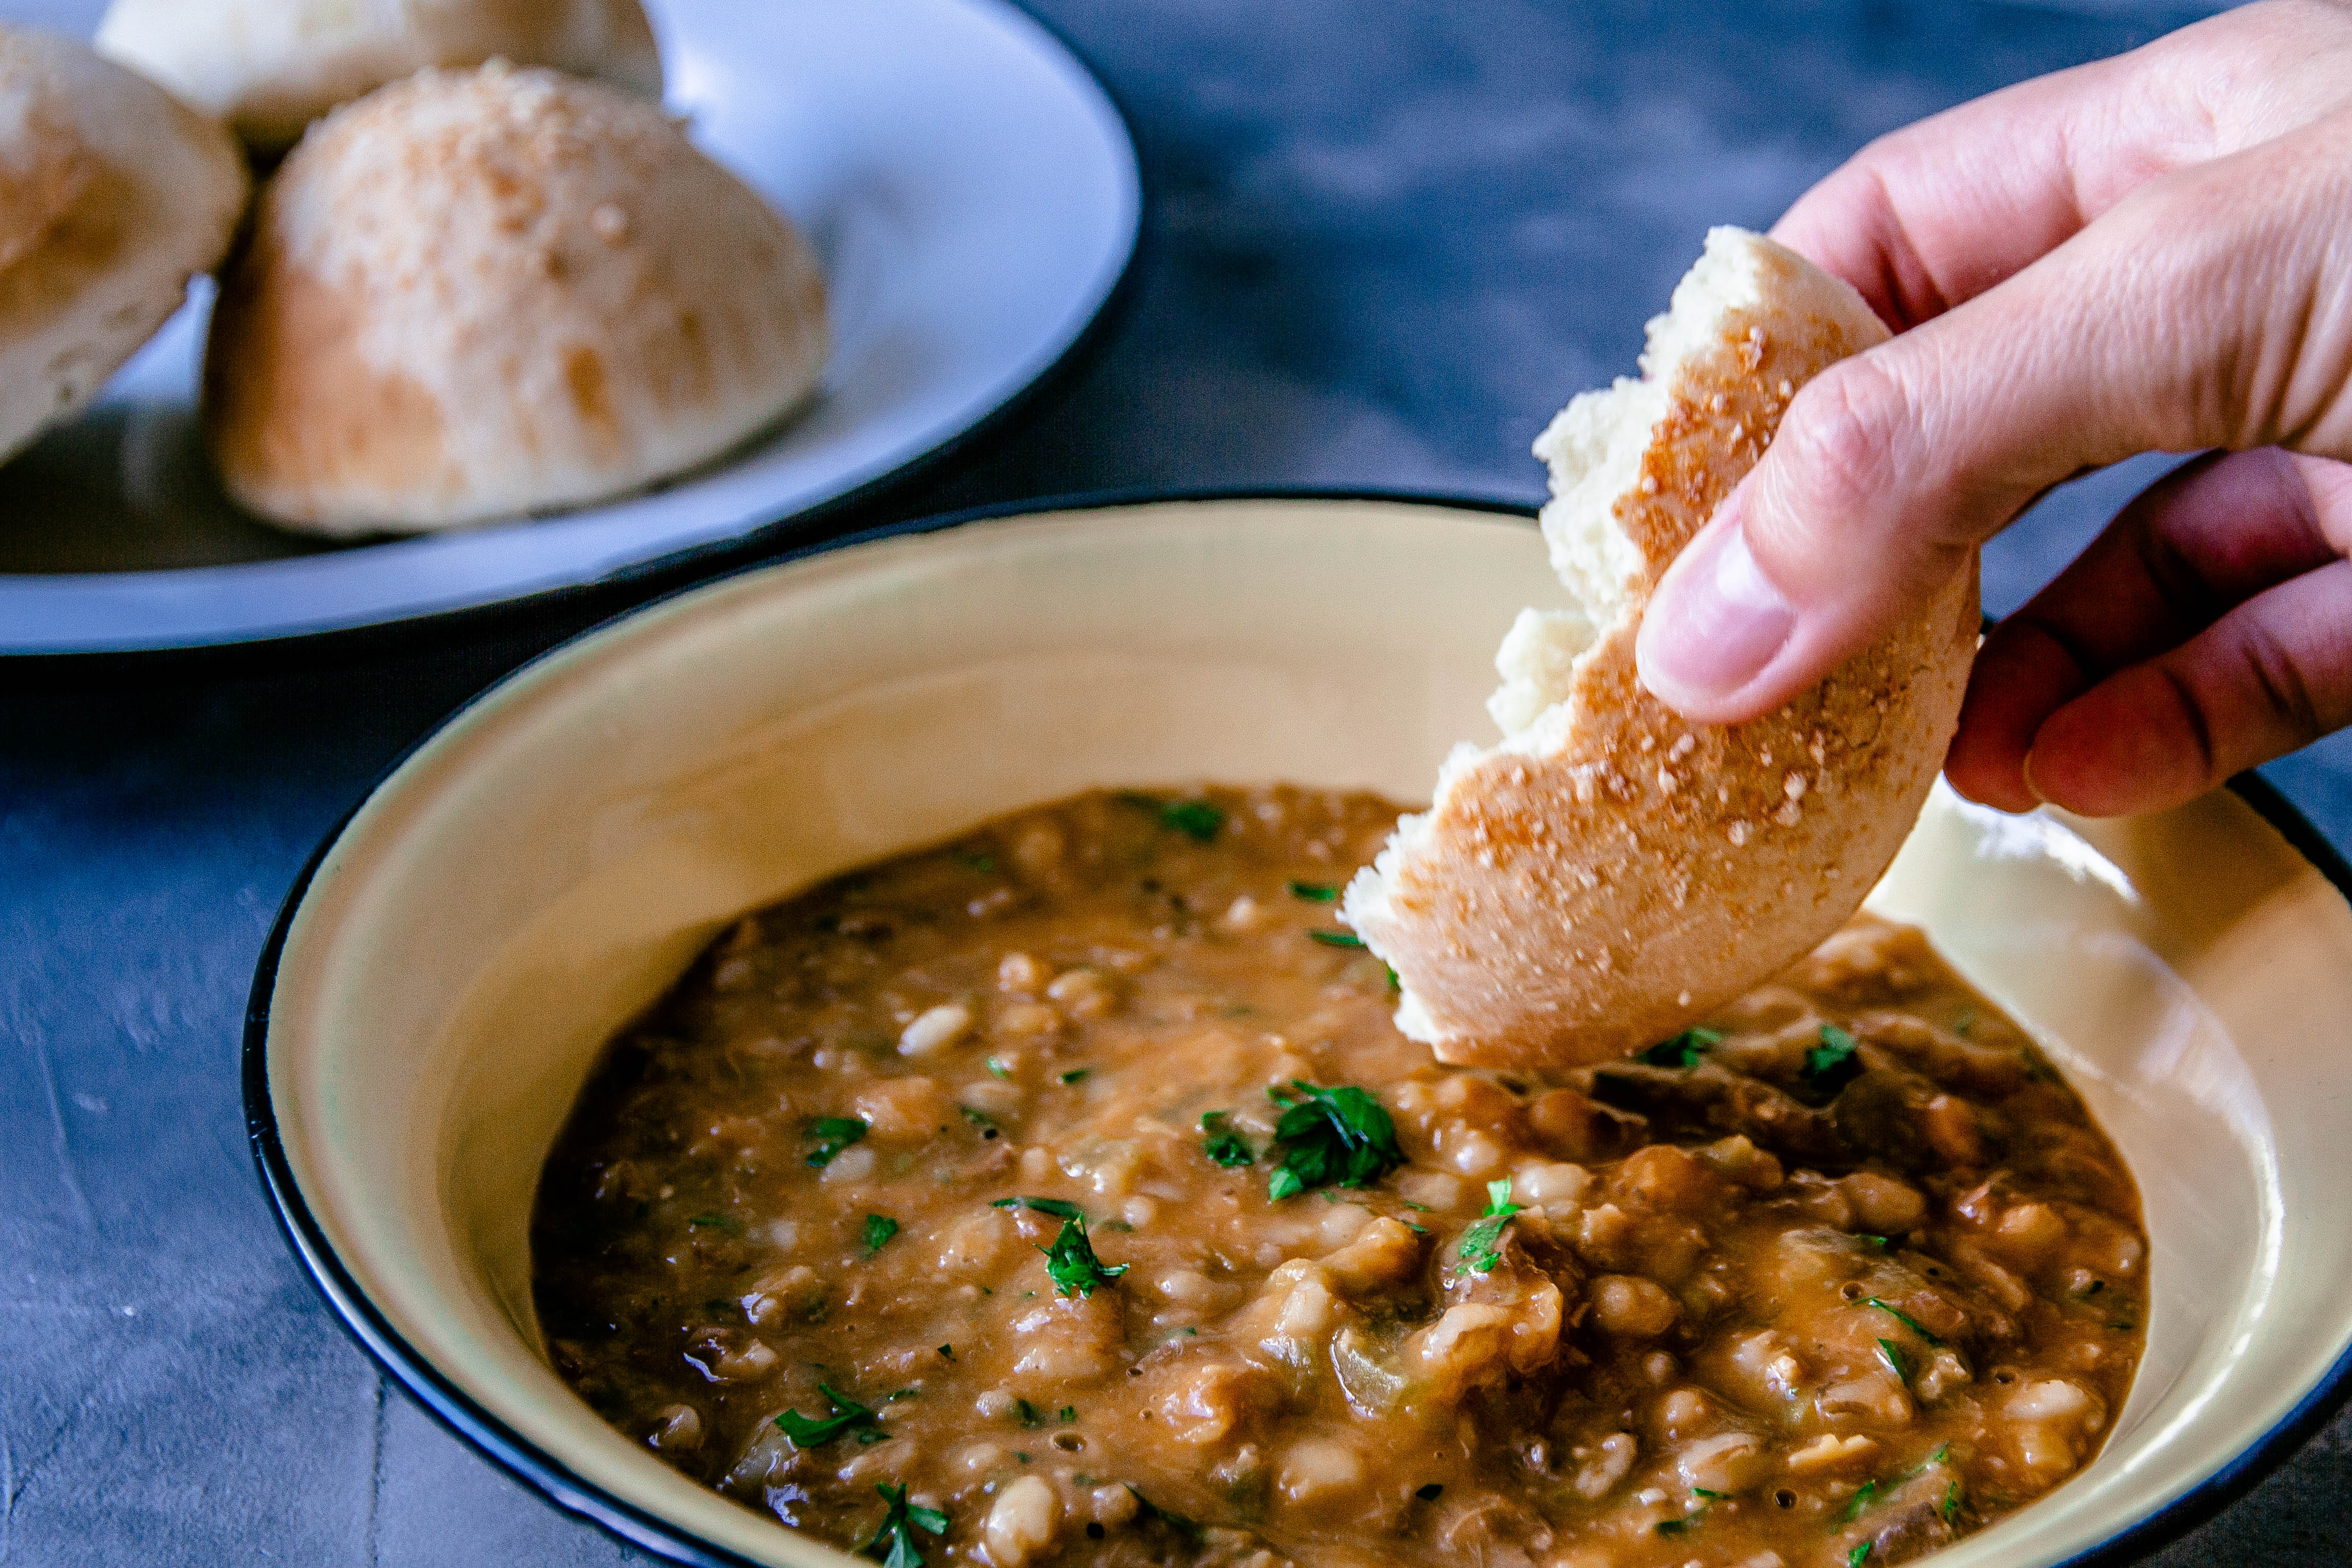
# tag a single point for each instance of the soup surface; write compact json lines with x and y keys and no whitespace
{"x":1066,"y":1196}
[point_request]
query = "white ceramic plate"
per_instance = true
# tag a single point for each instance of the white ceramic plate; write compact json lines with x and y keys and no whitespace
{"x":549,"y":861}
{"x":973,"y":195}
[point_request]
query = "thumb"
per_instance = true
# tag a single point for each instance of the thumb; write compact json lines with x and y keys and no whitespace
{"x":2191,"y":315}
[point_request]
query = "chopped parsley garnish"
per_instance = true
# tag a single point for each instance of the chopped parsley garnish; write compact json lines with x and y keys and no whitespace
{"x":1869,"y":1489}
{"x":1877,"y":1243}
{"x":806,"y":1433}
{"x":1430,"y":1492}
{"x":1060,"y":1209}
{"x":1673,"y":1526}
{"x":833,"y":1135}
{"x":1906,"y":1319}
{"x":1336,"y":939}
{"x":981,"y":1119}
{"x":1221,"y":1143}
{"x":1197,"y":819}
{"x":879,"y":1228}
{"x":719,"y":1220}
{"x":1481,"y":1246}
{"x":1335,"y":1136}
{"x":1313,"y":892}
{"x":948,"y":1352}
{"x":1075,"y":1074}
{"x":893,"y":1543}
{"x":1710,"y":1496}
{"x":1951,"y":1503}
{"x":1147,"y":1512}
{"x":1832,"y":1064}
{"x":1892,"y":1354}
{"x":1067,"y":1414}
{"x":1684,"y":1049}
{"x":1072,"y":1263}
{"x":997,"y":1068}
{"x":1858,"y":1556}
{"x":1932,"y":1460}
{"x":1027,"y":1413}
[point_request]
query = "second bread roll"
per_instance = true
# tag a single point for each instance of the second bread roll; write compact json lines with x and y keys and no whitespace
{"x":478,"y":294}
{"x":269,"y":67}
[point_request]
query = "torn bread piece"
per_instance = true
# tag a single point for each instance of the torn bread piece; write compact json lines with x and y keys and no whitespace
{"x":1610,"y":873}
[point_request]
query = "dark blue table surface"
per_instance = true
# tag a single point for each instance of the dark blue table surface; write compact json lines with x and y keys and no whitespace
{"x":1384,"y":242}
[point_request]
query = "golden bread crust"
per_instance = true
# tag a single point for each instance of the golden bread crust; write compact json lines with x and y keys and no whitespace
{"x":1609,"y":876}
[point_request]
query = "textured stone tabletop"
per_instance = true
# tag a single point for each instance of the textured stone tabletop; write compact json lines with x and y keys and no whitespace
{"x":1385,"y":241}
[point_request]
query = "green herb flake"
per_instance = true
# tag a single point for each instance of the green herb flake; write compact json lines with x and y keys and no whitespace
{"x":1876,"y":1243}
{"x":947,"y":1352}
{"x":1077,"y":1074}
{"x":1861,"y":1500}
{"x":1889,"y":1352}
{"x":1198,"y":821}
{"x":1430,"y":1492}
{"x":1684,"y":1049}
{"x":1481,"y":1247}
{"x":713,"y":1221}
{"x":1071,"y":1262}
{"x":1148,"y":1513}
{"x":893,"y":1543}
{"x":1067,"y":1414}
{"x":1673,"y":1526}
{"x":1906,"y":1319}
{"x":879,"y":1228}
{"x":902,"y":1393}
{"x":1221,"y":1143}
{"x":1710,"y":1496}
{"x":1951,"y":1503}
{"x":1858,"y":1556}
{"x":807,"y":1433}
{"x":833,"y":1135}
{"x":978,"y":1118}
{"x":1060,"y":1209}
{"x":1027,"y":1415}
{"x":998,"y":1070}
{"x":1336,"y":939}
{"x":1965,"y":1026}
{"x":1313,"y":892}
{"x":1332,"y":1137}
{"x":1832,"y":1064}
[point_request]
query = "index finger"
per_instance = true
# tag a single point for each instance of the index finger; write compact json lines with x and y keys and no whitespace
{"x":1934,"y":215}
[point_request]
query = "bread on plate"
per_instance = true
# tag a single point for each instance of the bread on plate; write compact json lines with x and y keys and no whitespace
{"x":113,"y":194}
{"x":269,"y":67}
{"x":479,"y":294}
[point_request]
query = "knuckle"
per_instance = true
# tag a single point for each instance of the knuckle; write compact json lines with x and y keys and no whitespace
{"x":2276,"y":677}
{"x":1841,"y":446}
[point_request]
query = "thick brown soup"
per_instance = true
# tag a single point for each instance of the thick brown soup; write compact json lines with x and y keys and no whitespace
{"x":1064,"y":1195}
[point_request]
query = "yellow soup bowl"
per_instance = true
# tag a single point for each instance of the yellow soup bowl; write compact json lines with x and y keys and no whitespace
{"x":548,"y":861}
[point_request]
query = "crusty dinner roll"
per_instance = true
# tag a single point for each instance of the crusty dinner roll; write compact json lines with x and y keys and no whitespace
{"x":113,"y":195}
{"x":271,"y":67}
{"x":1610,"y":873}
{"x":475,"y":294}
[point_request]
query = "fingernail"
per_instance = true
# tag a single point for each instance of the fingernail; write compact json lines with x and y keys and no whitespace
{"x":1716,"y":623}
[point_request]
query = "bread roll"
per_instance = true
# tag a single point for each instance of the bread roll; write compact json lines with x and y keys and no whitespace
{"x":1609,"y":874}
{"x":113,"y":195}
{"x":475,"y":294}
{"x":271,"y":67}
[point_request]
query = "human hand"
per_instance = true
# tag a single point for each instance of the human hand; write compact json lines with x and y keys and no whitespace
{"x":2151,"y":253}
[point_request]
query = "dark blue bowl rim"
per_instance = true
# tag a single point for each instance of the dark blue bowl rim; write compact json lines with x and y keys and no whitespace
{"x":547,"y":1473}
